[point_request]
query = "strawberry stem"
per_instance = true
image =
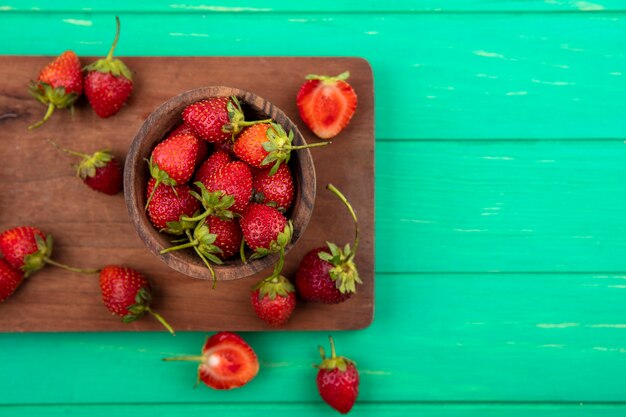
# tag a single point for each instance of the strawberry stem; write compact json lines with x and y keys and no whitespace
{"x":161,"y":320}
{"x":333,"y":355}
{"x":196,"y":218}
{"x":192,"y":243}
{"x":117,"y":36}
{"x":255,"y":122}
{"x":70,"y":268}
{"x":68,"y":151}
{"x":186,"y":358}
{"x":310,"y":145}
{"x":45,"y":117}
{"x":156,"y":185}
{"x":352,"y":213}
{"x":208,"y":265}
{"x":242,"y":251}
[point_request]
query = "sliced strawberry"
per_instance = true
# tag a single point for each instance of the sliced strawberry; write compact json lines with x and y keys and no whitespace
{"x":326,"y":104}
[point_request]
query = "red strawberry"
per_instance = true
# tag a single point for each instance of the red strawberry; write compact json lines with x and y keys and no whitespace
{"x":127,"y":293}
{"x":274,"y":300}
{"x":108,"y":82}
{"x":337,"y":380}
{"x":235,"y":179}
{"x":216,"y":119}
{"x":10,"y":279}
{"x":274,"y":190}
{"x":59,"y":84}
{"x":227,"y":361}
{"x":182,"y":129}
{"x":100,"y":171}
{"x":228,"y":234}
{"x":169,"y":203}
{"x":266,"y":145}
{"x":265,"y":229}
{"x":216,"y":161}
{"x":326,"y":104}
{"x":174,"y":160}
{"x":28,"y":249}
{"x":329,"y":275}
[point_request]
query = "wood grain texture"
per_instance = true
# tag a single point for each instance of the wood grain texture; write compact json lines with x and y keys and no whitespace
{"x":93,"y":229}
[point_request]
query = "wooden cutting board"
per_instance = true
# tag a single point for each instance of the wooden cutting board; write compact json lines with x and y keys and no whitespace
{"x":38,"y":187}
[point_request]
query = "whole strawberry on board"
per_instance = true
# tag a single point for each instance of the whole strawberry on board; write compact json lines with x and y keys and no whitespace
{"x":326,"y":104}
{"x":337,"y":380}
{"x":127,"y":293}
{"x":217,"y":119}
{"x":328,"y":274}
{"x":10,"y":280}
{"x":267,"y":145}
{"x":58,"y":85}
{"x":226,"y":362}
{"x":100,"y":171}
{"x":108,"y":82}
{"x":274,"y":298}
{"x":28,"y":249}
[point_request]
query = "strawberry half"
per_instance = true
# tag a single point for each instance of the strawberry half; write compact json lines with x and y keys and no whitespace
{"x":10,"y":279}
{"x":128,"y":294}
{"x":227,"y":361}
{"x":108,"y":82}
{"x":59,"y":84}
{"x":326,"y":104}
{"x":337,"y":380}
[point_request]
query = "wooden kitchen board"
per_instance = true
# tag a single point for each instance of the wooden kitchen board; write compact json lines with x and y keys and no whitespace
{"x":38,"y":187}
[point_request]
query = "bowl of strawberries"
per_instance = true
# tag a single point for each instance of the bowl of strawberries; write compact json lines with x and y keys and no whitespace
{"x":219,"y":183}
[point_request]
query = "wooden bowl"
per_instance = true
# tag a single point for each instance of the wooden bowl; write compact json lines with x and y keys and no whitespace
{"x":136,"y":177}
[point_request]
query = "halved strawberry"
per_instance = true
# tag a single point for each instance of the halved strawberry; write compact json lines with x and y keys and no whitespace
{"x":227,"y":361}
{"x":326,"y":104}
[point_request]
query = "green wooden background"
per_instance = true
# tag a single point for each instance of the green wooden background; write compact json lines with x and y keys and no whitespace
{"x":501,"y":211}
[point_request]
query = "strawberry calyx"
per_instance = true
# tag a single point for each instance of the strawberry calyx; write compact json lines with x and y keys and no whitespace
{"x":143,"y":299}
{"x":215,"y":203}
{"x":344,"y":271}
{"x":328,"y":79}
{"x":334,"y":362}
{"x":181,"y":226}
{"x":279,"y":146}
{"x":273,"y":286}
{"x":276,"y":246}
{"x":89,"y":163}
{"x":110,"y":65}
{"x":54,"y":98}
{"x":161,"y":177}
{"x":237,"y":119}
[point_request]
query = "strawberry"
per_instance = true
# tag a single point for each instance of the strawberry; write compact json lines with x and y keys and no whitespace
{"x":326,"y":104}
{"x":28,"y":249}
{"x":182,"y":129}
{"x":168,"y":204}
{"x":216,"y":119}
{"x":59,"y":84}
{"x":235,"y":179}
{"x":329,"y":275}
{"x":228,"y":234}
{"x":10,"y":279}
{"x":108,"y":82}
{"x":100,"y":171}
{"x":263,"y":144}
{"x":265,"y":229}
{"x":128,"y":294}
{"x":227,"y":361}
{"x":274,"y":190}
{"x":214,"y":162}
{"x":274,"y":300}
{"x":174,"y":160}
{"x":337,"y":380}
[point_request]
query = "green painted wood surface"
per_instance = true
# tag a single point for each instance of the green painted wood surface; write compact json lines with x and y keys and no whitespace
{"x":500,"y":211}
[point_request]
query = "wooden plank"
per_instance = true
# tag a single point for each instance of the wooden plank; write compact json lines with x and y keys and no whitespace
{"x":501,"y":206}
{"x":321,"y":6}
{"x":464,"y":337}
{"x":93,"y":229}
{"x":491,"y":76}
{"x":319,"y":409}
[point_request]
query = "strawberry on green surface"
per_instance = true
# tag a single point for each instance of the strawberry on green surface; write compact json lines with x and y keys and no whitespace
{"x":174,"y":160}
{"x":328,"y":274}
{"x":10,"y":279}
{"x":28,"y":249}
{"x":274,"y":190}
{"x":168,"y":204}
{"x":226,"y":362}
{"x":265,"y":229}
{"x":58,"y":85}
{"x":326,"y":104}
{"x":128,"y":294}
{"x":100,"y":171}
{"x":216,"y":119}
{"x":337,"y":380}
{"x":108,"y":82}
{"x":267,"y":145}
{"x":234,"y":179}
